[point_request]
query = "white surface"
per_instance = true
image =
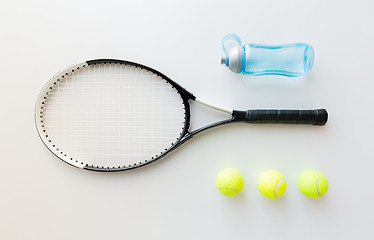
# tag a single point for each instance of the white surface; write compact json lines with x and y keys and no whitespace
{"x":176,"y":198}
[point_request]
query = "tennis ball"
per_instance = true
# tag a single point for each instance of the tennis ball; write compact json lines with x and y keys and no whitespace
{"x":272,"y":184}
{"x":313,"y":183}
{"x":230,"y":182}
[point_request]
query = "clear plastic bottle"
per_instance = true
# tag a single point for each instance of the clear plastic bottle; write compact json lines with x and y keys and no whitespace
{"x":292,"y":60}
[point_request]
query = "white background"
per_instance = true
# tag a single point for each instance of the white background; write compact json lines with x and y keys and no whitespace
{"x":175,"y":198}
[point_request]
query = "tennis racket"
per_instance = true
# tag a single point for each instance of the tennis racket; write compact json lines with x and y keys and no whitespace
{"x":112,"y":115}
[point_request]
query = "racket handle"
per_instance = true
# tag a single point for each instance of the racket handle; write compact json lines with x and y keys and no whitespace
{"x":316,"y":117}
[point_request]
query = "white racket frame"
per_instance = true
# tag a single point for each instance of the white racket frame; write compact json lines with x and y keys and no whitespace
{"x":39,"y":114}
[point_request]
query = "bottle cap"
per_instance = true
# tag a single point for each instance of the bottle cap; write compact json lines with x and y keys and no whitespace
{"x":233,"y":50}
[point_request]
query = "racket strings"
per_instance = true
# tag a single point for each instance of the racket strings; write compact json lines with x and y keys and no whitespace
{"x":112,"y":115}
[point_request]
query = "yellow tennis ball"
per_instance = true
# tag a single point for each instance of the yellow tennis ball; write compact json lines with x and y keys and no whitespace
{"x":313,"y":183}
{"x":272,"y":184}
{"x":230,"y":182}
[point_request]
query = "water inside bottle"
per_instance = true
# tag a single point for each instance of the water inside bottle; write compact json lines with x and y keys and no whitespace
{"x":289,"y":60}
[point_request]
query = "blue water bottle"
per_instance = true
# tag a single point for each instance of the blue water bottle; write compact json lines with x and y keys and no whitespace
{"x":292,"y":60}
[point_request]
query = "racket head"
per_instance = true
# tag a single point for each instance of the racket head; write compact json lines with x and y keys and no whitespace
{"x":111,"y":115}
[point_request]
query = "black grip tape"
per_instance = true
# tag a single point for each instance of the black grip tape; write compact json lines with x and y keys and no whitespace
{"x":316,"y":117}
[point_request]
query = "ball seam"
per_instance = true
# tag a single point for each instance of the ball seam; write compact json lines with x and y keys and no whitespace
{"x":318,"y":184}
{"x":228,"y":189}
{"x":277,"y":186}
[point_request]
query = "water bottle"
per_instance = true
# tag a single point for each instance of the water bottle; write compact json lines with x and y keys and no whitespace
{"x":292,"y":60}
